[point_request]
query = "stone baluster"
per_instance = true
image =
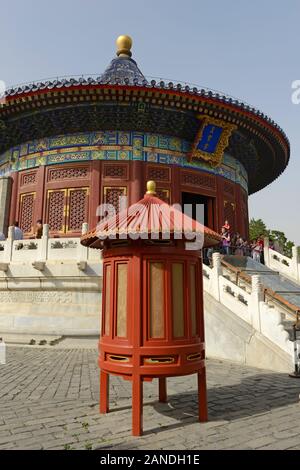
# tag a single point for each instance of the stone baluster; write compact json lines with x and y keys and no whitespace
{"x":257,"y":296}
{"x":9,"y":245}
{"x":82,"y":251}
{"x":43,"y":254}
{"x":216,"y":272}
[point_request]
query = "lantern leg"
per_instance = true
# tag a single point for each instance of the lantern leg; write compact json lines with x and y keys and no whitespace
{"x":104,"y":392}
{"x":202,"y":396}
{"x":137,"y":406}
{"x":162,"y":385}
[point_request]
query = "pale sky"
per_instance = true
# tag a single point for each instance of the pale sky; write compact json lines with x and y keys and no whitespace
{"x":246,"y":49}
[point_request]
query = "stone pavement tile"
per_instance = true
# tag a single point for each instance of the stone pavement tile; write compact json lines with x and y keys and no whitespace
{"x":261,"y":442}
{"x":246,"y":405}
{"x":288,"y":443}
{"x":10,"y":438}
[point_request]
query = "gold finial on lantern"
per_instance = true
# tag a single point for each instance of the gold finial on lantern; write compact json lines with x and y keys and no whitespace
{"x":124,"y":44}
{"x":151,"y":187}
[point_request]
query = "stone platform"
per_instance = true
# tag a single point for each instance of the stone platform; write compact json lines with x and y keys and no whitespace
{"x":49,"y":400}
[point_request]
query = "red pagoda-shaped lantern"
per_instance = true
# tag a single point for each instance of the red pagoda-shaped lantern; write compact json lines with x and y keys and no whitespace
{"x":152,"y":305}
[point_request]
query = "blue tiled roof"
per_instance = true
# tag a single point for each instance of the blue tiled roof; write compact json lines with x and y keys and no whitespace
{"x":123,"y":70}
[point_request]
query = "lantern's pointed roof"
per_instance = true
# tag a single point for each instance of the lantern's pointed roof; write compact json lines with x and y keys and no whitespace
{"x":123,"y":69}
{"x":150,"y":218}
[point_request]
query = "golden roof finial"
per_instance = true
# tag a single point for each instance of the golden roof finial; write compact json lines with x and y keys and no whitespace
{"x":151,"y":187}
{"x":124,"y":44}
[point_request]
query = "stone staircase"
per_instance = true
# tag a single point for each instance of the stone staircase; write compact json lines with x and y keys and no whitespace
{"x":240,"y":314}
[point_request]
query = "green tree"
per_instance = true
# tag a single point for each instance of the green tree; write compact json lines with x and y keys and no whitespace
{"x":257,"y":228}
{"x":286,"y":245}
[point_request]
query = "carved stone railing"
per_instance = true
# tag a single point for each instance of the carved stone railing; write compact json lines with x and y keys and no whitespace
{"x":248,"y":304}
{"x":40,"y":251}
{"x":289,"y":267}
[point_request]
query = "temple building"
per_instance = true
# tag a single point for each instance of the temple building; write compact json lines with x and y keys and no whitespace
{"x":68,"y":145}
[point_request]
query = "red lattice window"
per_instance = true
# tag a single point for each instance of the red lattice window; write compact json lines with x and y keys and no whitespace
{"x":229,"y":213}
{"x":77,"y":203}
{"x":26,"y":212}
{"x":163,"y":194}
{"x":198,"y":179}
{"x":229,"y":188}
{"x":55,"y":174}
{"x":115,"y":171}
{"x":112,"y":194}
{"x":157,"y":173}
{"x":56,"y":203}
{"x":28,"y":178}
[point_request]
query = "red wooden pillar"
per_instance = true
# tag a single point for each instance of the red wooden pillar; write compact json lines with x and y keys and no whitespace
{"x":95,"y":196}
{"x":202,"y":396}
{"x":104,"y":392}
{"x":162,"y":385}
{"x":137,"y":185}
{"x":40,"y":195}
{"x":176,"y":189}
{"x":14,"y":194}
{"x":137,"y":405}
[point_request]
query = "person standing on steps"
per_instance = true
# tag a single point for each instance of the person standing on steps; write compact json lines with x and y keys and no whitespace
{"x":39,"y":229}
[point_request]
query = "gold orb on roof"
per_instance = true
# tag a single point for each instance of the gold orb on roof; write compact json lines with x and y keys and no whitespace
{"x":151,"y":187}
{"x":124,"y":44}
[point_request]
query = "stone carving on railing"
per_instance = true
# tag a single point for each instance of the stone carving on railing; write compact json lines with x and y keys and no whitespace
{"x":26,"y":245}
{"x":39,"y":251}
{"x":289,"y":267}
{"x":63,"y":244}
{"x":249,"y":305}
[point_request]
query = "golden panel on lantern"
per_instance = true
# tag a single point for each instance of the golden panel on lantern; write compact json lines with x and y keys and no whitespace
{"x":178,"y":299}
{"x":107,"y":301}
{"x":157,"y":300}
{"x":122,"y":299}
{"x":193,"y":299}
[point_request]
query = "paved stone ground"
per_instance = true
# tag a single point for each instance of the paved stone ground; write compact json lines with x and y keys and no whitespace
{"x":49,"y":400}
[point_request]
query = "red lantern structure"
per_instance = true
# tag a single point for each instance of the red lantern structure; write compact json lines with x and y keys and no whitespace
{"x":152,"y":306}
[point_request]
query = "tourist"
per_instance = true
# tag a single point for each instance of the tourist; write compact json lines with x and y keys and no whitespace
{"x":247,"y":248}
{"x":256,"y":251}
{"x":239,"y":246}
{"x":226,"y":225}
{"x":262,"y":245}
{"x":18,"y":234}
{"x":233,"y":242}
{"x":39,"y":229}
{"x":225,"y":241}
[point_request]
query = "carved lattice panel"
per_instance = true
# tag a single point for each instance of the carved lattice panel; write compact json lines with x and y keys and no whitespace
{"x":198,"y":179}
{"x":28,"y":178}
{"x":26,"y":212}
{"x":115,"y":171}
{"x":157,"y":173}
{"x":112,"y":194}
{"x":77,"y":208}
{"x":55,"y":174}
{"x":56,"y":209}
